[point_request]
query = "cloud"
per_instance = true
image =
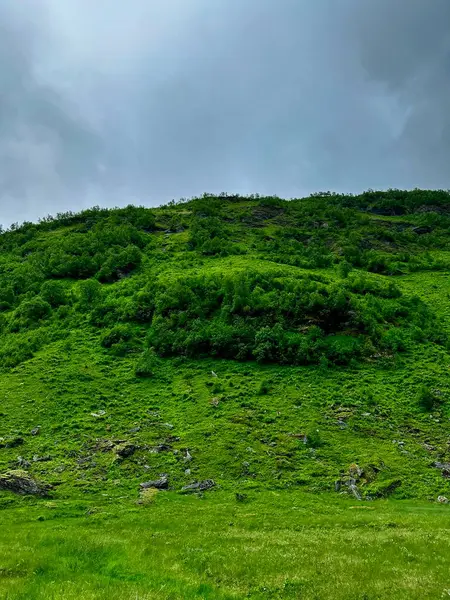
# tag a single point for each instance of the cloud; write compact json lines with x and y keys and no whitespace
{"x":110,"y":102}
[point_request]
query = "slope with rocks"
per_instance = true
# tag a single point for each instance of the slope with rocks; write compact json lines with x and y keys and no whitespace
{"x":252,"y":342}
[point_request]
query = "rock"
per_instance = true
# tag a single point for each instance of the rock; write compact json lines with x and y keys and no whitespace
{"x":429,"y":447}
{"x":23,"y":463}
{"x":422,"y":230}
{"x":160,"y":484}
{"x":441,"y":465}
{"x":442,"y":500}
{"x":355,"y":471}
{"x":125,"y":450}
{"x":188,"y":456}
{"x":36,"y":430}
{"x":160,"y":448}
{"x":37,"y":458}
{"x":187,"y":472}
{"x":354,"y":490}
{"x":11,"y":442}
{"x":109,"y":445}
{"x":444,"y":467}
{"x":168,"y":425}
{"x":135,"y":429}
{"x":200,"y":486}
{"x":21,"y":482}
{"x":100,"y":413}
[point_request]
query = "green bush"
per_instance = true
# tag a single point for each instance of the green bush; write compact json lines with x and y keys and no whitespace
{"x":117,"y":335}
{"x":88,"y":293}
{"x":274,"y":317}
{"x":263,"y":388}
{"x":54,"y":292}
{"x":147,"y":364}
{"x":30,"y":312}
{"x":427,"y":399}
{"x":314,"y":439}
{"x":119,"y":264}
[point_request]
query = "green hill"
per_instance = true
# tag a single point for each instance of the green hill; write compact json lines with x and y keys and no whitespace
{"x":260,"y":343}
{"x":264,"y":367}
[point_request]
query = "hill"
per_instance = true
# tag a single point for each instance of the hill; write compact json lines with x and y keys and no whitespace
{"x":260,"y":343}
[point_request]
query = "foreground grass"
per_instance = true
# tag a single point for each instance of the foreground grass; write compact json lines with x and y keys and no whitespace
{"x":274,"y":545}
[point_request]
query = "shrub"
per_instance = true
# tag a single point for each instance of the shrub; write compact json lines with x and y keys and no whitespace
{"x":30,"y":312}
{"x":427,"y":399}
{"x":89,"y":293}
{"x":119,"y":264}
{"x":344,"y":269}
{"x":146,"y":364}
{"x":263,"y":388}
{"x":54,"y":292}
{"x":314,"y":439}
{"x":116,"y":335}
{"x":274,"y":317}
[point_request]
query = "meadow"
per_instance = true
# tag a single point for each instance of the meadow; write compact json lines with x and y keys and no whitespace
{"x":293,"y":354}
{"x":273,"y":545}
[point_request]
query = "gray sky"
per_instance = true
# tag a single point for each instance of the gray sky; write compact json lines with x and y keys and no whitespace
{"x":111,"y":102}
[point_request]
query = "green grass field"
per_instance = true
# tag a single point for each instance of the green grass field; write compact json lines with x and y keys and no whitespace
{"x":275,"y":545}
{"x":280,"y":349}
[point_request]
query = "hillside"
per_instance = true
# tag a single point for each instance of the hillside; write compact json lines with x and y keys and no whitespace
{"x":260,"y":343}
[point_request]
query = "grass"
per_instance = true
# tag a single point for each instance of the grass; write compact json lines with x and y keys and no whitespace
{"x":275,"y":438}
{"x":275,"y":545}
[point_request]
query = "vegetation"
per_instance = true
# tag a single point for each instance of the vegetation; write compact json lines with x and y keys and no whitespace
{"x":270,"y":546}
{"x":242,"y":278}
{"x":282,"y":349}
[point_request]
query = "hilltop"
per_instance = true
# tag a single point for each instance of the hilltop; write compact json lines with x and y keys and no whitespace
{"x":260,"y":343}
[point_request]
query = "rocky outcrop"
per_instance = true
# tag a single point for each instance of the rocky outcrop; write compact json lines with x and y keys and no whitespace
{"x":160,"y":484}
{"x":200,"y":486}
{"x":21,"y":482}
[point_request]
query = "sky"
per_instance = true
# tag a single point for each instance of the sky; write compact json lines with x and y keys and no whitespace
{"x":111,"y":102}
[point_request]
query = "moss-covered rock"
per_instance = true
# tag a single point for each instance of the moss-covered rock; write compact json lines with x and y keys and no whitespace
{"x":21,"y":482}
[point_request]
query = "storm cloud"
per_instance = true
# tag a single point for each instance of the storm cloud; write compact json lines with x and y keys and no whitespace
{"x":147,"y":100}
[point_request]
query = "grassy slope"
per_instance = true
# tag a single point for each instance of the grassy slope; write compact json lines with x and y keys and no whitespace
{"x":249,"y":443}
{"x":249,"y":440}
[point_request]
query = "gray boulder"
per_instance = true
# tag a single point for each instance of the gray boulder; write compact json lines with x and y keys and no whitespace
{"x":124,"y":450}
{"x":160,"y":484}
{"x":200,"y":486}
{"x":21,"y":482}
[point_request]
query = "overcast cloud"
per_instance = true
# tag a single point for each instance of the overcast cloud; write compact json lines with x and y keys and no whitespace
{"x":112,"y":102}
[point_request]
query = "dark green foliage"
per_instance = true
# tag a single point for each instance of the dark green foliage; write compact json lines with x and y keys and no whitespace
{"x":428,"y":399}
{"x":147,"y":364}
{"x":158,"y":267}
{"x":314,"y":439}
{"x":119,"y":264}
{"x":88,"y":293}
{"x":264,"y":388}
{"x":116,"y":335}
{"x":275,"y":317}
{"x":54,"y":292}
{"x":209,"y":235}
{"x":29,"y":313}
